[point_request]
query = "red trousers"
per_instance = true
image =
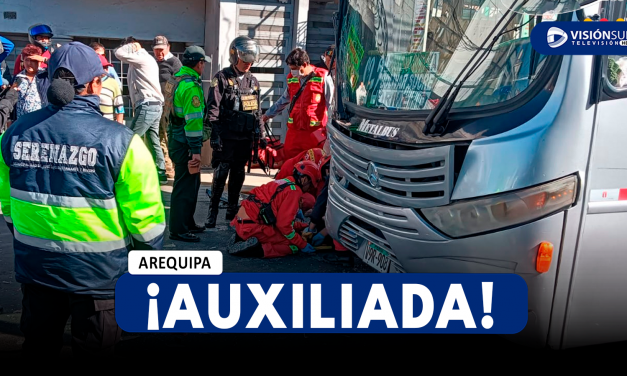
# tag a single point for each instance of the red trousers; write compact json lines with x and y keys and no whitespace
{"x":274,"y":244}
{"x":297,"y":141}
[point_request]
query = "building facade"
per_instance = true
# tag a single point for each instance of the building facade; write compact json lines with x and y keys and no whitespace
{"x":277,"y":25}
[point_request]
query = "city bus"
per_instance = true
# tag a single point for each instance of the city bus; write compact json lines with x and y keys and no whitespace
{"x":525,"y":170}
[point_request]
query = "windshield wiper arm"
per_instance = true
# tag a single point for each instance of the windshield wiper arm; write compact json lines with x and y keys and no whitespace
{"x":433,"y":122}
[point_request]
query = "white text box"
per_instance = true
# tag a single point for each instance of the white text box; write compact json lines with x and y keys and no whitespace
{"x":175,"y":262}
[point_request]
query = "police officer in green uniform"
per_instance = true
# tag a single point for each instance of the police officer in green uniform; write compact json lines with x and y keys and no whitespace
{"x":233,"y":113}
{"x":184,"y":104}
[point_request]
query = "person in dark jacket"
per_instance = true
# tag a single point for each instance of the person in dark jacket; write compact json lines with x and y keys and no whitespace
{"x":7,"y":103}
{"x":326,"y":59}
{"x":76,"y":194}
{"x":317,"y":214}
{"x":317,"y":224}
{"x":169,"y":65}
{"x":233,"y":110}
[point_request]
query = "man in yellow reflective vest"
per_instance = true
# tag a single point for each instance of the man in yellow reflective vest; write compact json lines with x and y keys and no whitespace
{"x":77,"y":195}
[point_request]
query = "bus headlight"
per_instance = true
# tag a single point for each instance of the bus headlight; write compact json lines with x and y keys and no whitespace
{"x":496,"y":212}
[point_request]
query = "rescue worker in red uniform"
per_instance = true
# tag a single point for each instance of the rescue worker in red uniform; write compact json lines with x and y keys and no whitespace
{"x":315,"y":155}
{"x":267,"y":216}
{"x":309,"y":94}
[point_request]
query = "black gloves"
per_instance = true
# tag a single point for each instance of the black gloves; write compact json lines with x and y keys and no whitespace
{"x":216,"y":143}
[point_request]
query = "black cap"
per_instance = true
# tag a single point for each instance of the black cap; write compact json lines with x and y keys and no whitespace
{"x":195,"y":53}
{"x":160,"y":41}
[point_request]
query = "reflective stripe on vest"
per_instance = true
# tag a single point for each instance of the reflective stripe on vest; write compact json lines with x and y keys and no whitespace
{"x":63,"y":201}
{"x":38,"y":212}
{"x":59,"y":246}
{"x":195,"y":115}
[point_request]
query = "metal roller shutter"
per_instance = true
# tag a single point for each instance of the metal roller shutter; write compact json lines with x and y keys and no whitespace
{"x":270,"y":23}
{"x":320,"y":32}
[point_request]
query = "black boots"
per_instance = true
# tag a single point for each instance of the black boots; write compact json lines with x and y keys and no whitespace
{"x":233,"y":208}
{"x":189,"y":237}
{"x":236,"y":181}
{"x":212,"y":217}
{"x":217,"y":187}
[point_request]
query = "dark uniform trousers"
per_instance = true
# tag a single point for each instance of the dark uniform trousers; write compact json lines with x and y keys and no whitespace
{"x":230,"y":162}
{"x":45,"y":313}
{"x":185,"y":190}
{"x":229,"y":97}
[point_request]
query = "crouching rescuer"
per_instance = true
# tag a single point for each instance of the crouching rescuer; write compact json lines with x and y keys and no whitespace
{"x":267,"y":216}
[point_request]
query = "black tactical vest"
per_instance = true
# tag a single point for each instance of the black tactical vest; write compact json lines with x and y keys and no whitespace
{"x":239,"y":108}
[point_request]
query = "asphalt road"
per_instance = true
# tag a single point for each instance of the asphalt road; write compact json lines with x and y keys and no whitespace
{"x":211,"y":239}
{"x":235,"y":347}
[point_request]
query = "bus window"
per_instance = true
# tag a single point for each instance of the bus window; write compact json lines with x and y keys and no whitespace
{"x":403,"y":55}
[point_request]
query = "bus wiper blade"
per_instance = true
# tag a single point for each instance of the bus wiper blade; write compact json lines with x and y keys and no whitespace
{"x":437,"y":116}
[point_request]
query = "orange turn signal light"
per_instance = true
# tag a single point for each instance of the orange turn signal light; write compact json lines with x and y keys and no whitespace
{"x":545,"y":254}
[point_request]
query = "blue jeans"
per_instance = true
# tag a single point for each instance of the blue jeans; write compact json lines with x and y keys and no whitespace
{"x":146,"y":122}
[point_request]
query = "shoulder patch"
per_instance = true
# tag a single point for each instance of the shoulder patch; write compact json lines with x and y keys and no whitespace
{"x":214,"y":82}
{"x":196,"y":101}
{"x":168,"y":87}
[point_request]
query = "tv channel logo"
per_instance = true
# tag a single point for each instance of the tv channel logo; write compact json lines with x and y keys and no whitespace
{"x":556,"y":37}
{"x":580,"y":38}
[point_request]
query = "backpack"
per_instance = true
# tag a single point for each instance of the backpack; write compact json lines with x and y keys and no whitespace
{"x":168,"y":108}
{"x":266,"y":215}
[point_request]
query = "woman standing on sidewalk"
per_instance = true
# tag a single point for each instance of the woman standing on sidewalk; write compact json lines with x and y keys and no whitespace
{"x":32,"y":82}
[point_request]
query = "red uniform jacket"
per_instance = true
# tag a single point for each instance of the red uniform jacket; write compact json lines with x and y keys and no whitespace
{"x":310,"y":110}
{"x":315,"y":155}
{"x":285,"y":206}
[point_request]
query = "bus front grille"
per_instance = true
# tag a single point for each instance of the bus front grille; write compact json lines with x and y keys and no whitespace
{"x":406,"y":178}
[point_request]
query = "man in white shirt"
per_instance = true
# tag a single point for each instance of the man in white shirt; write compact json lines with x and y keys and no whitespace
{"x":146,"y":97}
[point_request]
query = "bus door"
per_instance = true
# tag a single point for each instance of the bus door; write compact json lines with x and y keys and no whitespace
{"x":597,"y":301}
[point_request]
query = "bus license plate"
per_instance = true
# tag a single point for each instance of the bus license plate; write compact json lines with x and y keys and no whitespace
{"x":377,"y":258}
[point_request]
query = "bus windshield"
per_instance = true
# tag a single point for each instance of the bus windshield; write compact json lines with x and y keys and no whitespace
{"x":404,"y":54}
